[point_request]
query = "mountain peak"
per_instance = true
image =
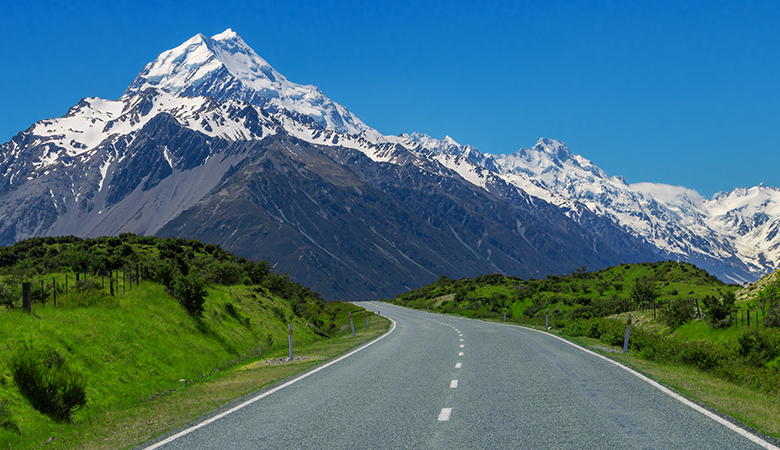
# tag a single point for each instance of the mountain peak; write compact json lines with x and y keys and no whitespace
{"x":226,"y":68}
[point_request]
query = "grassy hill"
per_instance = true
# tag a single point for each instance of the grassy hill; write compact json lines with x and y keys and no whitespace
{"x":195,"y":313}
{"x":579,"y":295}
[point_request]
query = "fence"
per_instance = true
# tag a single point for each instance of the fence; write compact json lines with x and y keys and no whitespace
{"x":47,"y":289}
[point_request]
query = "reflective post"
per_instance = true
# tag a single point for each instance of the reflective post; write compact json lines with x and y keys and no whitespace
{"x":628,"y":333}
{"x":289,"y":326}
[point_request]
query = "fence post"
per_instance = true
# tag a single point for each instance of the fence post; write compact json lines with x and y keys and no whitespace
{"x":628,"y":333}
{"x":26,"y":294}
{"x":54,"y":290}
{"x":351,"y":324}
{"x":111,"y":282}
{"x":43,"y":294}
{"x":289,"y":326}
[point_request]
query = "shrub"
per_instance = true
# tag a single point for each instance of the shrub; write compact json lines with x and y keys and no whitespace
{"x":772,"y":319}
{"x":7,"y":297}
{"x":678,"y":312}
{"x":88,"y":293}
{"x":48,"y":383}
{"x":719,"y":310}
{"x":758,"y":347}
{"x":190,"y":291}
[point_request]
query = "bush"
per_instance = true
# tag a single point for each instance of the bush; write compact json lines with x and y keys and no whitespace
{"x":7,"y":297}
{"x":88,"y":293}
{"x":758,"y":347}
{"x":772,"y":319}
{"x":48,"y":383}
{"x":190,"y":291}
{"x":719,"y":310}
{"x":678,"y":312}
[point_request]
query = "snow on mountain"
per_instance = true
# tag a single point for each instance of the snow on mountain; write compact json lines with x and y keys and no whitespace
{"x":220,"y":87}
{"x":678,"y":221}
{"x":225,"y":67}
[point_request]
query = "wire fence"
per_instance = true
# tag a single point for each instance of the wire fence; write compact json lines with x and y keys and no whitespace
{"x":45,"y":291}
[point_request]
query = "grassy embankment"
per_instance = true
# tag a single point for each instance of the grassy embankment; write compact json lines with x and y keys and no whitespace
{"x":152,"y":367}
{"x":733,"y":369}
{"x":150,"y":364}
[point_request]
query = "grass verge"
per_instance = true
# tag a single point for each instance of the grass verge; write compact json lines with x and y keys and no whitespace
{"x":753,"y":408}
{"x":132,"y":426}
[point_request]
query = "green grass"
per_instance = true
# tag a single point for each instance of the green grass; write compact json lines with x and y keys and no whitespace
{"x":136,"y":350}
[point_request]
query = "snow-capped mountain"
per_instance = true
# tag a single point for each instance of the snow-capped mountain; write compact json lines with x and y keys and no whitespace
{"x":733,"y":235}
{"x":224,"y":67}
{"x":210,"y":142}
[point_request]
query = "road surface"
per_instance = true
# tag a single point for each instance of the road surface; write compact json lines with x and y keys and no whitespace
{"x":441,"y":382}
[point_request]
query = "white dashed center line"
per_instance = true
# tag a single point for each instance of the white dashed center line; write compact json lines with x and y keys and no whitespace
{"x":458,"y":365}
{"x":460,"y":353}
{"x":445,"y":414}
{"x":453,"y":384}
{"x":461,"y":345}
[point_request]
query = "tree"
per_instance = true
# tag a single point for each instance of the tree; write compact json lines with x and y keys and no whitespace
{"x":644,"y":290}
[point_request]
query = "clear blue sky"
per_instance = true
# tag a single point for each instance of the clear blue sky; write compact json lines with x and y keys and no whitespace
{"x":683,"y":93}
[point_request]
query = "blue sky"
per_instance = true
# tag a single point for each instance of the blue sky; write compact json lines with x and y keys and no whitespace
{"x":683,"y":93}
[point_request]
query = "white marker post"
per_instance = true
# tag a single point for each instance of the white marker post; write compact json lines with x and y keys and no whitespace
{"x":505,"y":315}
{"x":628,"y":333}
{"x":366,"y":319}
{"x":351,"y":324}
{"x":289,"y":326}
{"x":547,"y":319}
{"x":378,"y":315}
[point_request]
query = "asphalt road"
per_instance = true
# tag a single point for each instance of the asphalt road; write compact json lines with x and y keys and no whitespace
{"x":440,"y":382}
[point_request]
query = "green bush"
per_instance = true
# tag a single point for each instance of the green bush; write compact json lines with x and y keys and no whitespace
{"x":678,"y":312}
{"x":86,"y":294}
{"x":719,"y":310}
{"x":7,"y":297}
{"x":758,"y":347}
{"x":190,"y":291}
{"x":44,"y":379}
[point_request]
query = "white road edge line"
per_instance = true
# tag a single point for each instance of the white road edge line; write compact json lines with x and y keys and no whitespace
{"x":266,"y":394}
{"x":752,"y":437}
{"x":445,"y":414}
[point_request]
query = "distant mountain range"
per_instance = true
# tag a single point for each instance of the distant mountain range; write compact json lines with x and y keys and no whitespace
{"x":210,"y":142}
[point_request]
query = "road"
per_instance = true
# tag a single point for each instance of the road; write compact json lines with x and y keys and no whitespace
{"x":441,"y":382}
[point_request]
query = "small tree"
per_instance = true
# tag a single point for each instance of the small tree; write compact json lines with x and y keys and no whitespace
{"x":644,"y":290}
{"x":719,"y":310}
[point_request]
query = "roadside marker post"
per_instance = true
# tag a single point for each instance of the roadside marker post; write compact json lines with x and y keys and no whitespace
{"x":378,"y":315}
{"x":289,"y":326}
{"x":547,"y":319}
{"x":351,"y":324}
{"x":628,"y":333}
{"x":504,"y":314}
{"x":366,"y":319}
